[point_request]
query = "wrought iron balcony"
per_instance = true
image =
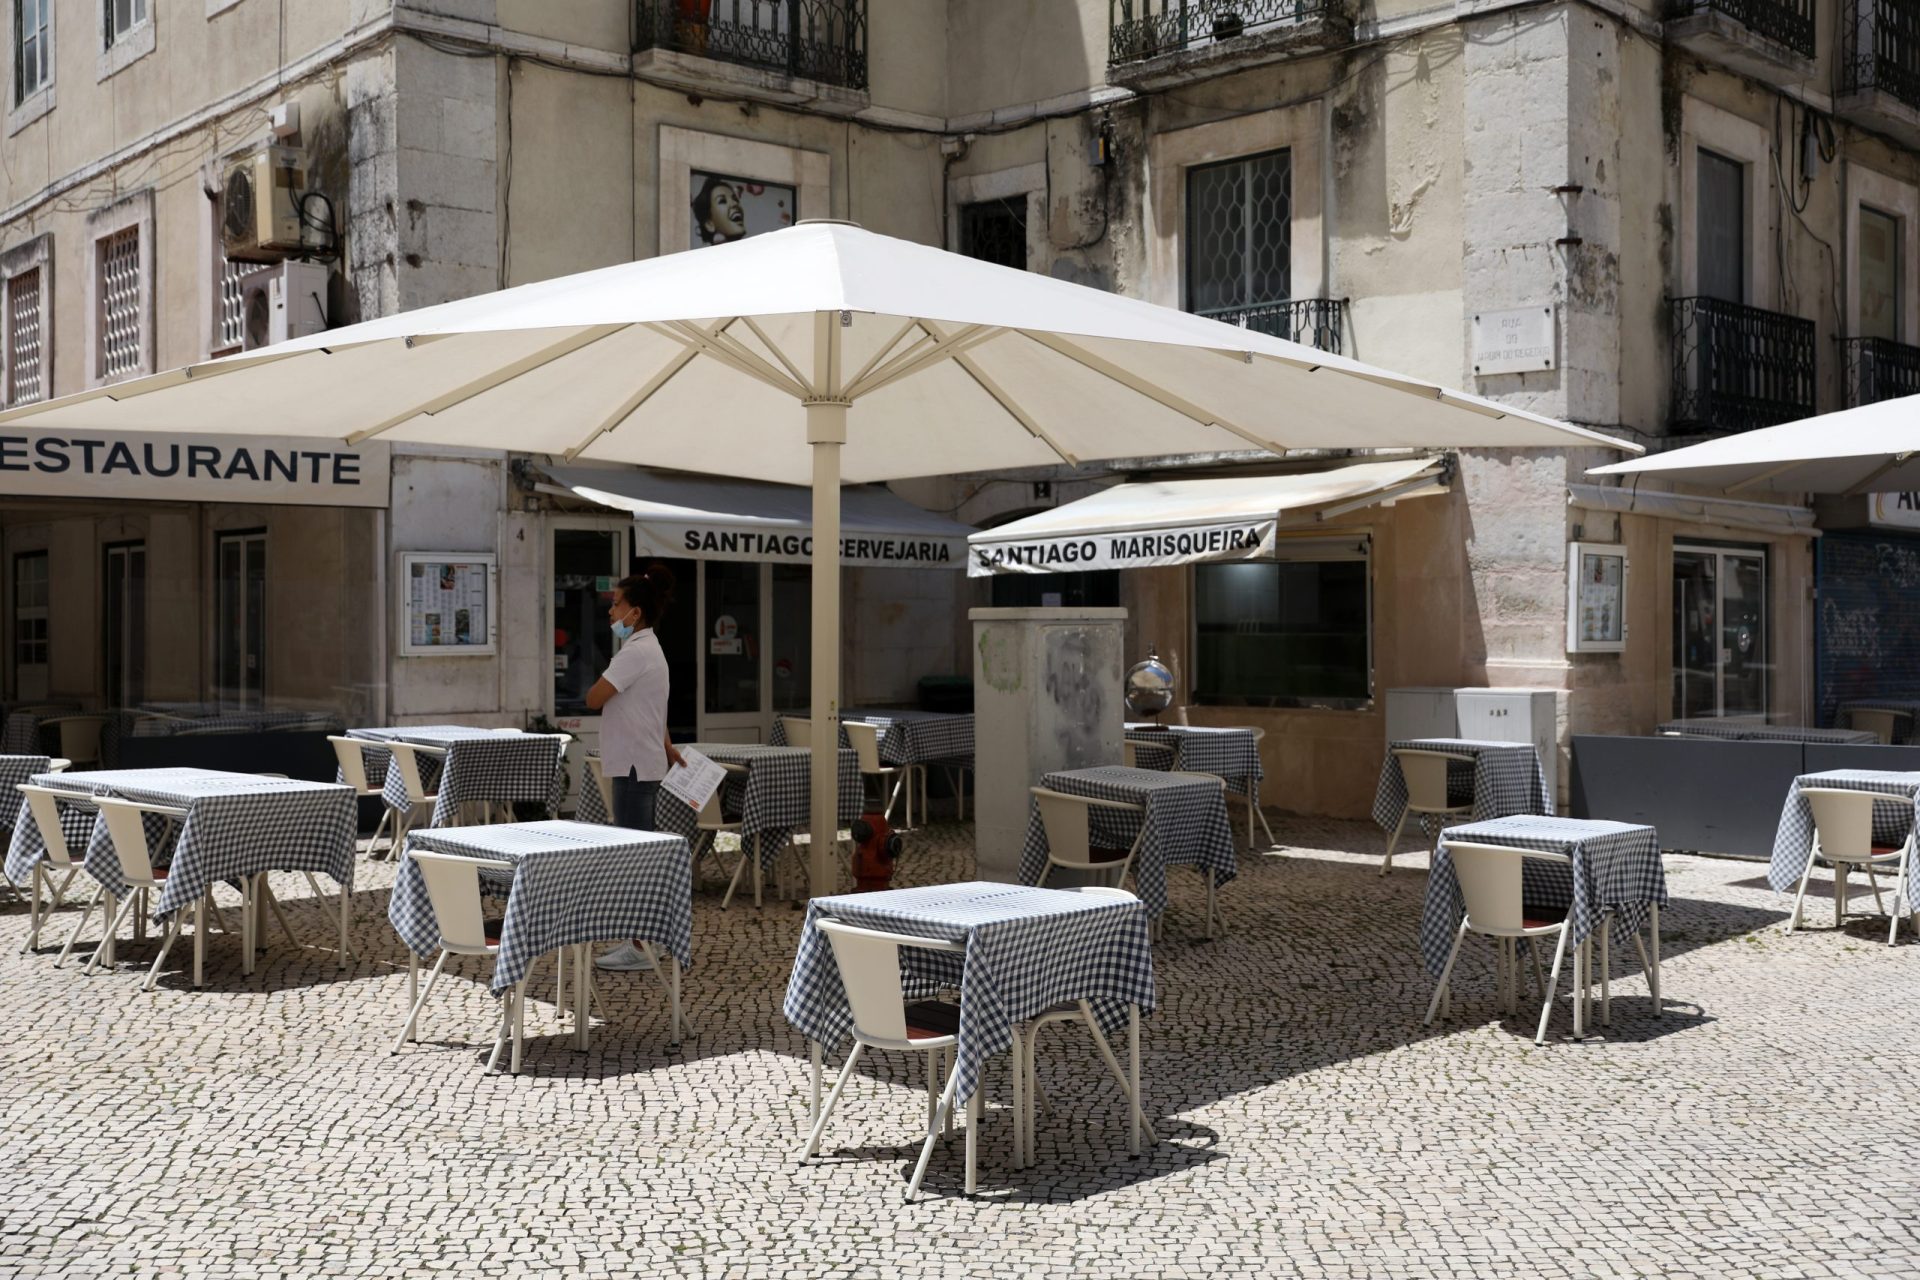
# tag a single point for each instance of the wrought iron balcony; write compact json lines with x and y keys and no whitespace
{"x":1785,"y":22}
{"x":1880,"y":369}
{"x":823,"y":40}
{"x":1314,"y":322}
{"x":1146,"y":28}
{"x":1880,"y":49}
{"x":1737,"y":367}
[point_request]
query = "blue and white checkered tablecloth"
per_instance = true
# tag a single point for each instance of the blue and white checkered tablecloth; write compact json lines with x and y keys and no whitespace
{"x":773,"y":797}
{"x":1229,"y":753}
{"x":15,"y":770}
{"x":573,"y":882}
{"x":77,"y":815}
{"x":1750,"y":731}
{"x":1893,"y":821}
{"x":906,"y":737}
{"x":1904,"y":731}
{"x":1497,"y":778}
{"x":1026,"y":950}
{"x":1616,"y":867}
{"x":1186,"y":825}
{"x":236,"y":722}
{"x":22,"y":734}
{"x":480,"y":764}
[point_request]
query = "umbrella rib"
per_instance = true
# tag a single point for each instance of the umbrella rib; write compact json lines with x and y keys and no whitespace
{"x":1005,"y":401}
{"x":944,"y":349}
{"x":121,"y":391}
{"x":785,"y":360}
{"x":1134,"y":382}
{"x":505,"y":373}
{"x":1866,"y":485}
{"x":1764,"y":476}
{"x":887,"y":349}
{"x":632,"y":404}
{"x":704,"y":342}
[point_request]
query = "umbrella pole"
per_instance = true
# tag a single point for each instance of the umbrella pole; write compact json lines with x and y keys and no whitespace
{"x":826,"y":433}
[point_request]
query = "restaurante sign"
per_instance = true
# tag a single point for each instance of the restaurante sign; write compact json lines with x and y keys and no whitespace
{"x":1894,"y":510}
{"x":194,"y":468}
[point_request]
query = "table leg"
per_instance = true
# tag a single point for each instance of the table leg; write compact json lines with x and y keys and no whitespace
{"x":1579,"y":988}
{"x":813,"y":1114}
{"x":248,"y":924}
{"x":756,"y":869}
{"x":582,"y":975}
{"x":1133,"y":1068}
{"x":346,"y":906}
{"x":519,"y":1022}
{"x":1653,"y":928}
{"x":200,"y":938}
{"x":674,"y":977}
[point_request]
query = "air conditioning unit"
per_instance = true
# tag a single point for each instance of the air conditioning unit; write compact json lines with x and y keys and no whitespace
{"x":286,"y":300}
{"x":260,"y":204}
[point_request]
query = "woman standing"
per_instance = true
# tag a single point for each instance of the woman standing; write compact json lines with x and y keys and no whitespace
{"x":631,"y":698}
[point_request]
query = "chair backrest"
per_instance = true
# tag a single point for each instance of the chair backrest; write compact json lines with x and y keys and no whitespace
{"x":865,"y":741}
{"x":1426,"y":775}
{"x":1490,"y":879}
{"x":57,"y":765}
{"x":1130,"y":753}
{"x":43,"y":804}
{"x":598,"y":769}
{"x":406,"y":756}
{"x":79,"y":736}
{"x":799,"y":731}
{"x":712,"y":815}
{"x":1068,"y":822}
{"x":1843,"y":821}
{"x":124,"y":826}
{"x":869,"y":963}
{"x":1882,"y":722}
{"x":453,"y":887}
{"x":348,"y":754}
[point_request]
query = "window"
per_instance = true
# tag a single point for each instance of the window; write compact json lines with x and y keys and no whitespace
{"x":1720,"y":651}
{"x":1880,"y":270}
{"x":1239,"y":235}
{"x":120,"y":343}
{"x":32,"y":48}
{"x":31,"y":592}
{"x":122,"y":18}
{"x":124,"y":616}
{"x":240,"y":618}
{"x":586,"y":564}
{"x":25,"y":380}
{"x":1293,"y":631}
{"x":1721,"y":227}
{"x":995,"y":231}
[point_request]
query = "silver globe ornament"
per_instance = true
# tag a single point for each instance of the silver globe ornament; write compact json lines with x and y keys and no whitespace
{"x":1149,"y":686}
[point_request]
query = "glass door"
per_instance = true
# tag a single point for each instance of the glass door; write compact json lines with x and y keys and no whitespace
{"x":1721,"y":655}
{"x":125,"y":622}
{"x":586,"y":564}
{"x":733,"y":681}
{"x":240,"y":618}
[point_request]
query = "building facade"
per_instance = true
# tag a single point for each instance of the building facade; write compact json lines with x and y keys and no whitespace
{"x":1696,"y":218}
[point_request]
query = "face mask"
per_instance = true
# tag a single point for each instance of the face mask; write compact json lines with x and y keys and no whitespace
{"x":623,"y":631}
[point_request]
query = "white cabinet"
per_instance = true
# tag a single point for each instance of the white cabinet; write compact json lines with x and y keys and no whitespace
{"x":1421,"y":713}
{"x":1487,"y":715}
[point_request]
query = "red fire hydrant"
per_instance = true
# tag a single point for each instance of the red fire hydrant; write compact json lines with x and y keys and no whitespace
{"x":875,"y":849}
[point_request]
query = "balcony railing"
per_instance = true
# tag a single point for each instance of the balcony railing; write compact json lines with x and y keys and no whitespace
{"x":1737,"y":367}
{"x":1880,"y":369}
{"x":824,"y":40}
{"x":1314,"y":322}
{"x":1143,"y":28}
{"x":1785,"y":22}
{"x":1881,"y":48}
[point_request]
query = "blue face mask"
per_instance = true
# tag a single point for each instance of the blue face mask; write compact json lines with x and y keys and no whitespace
{"x":623,"y":631}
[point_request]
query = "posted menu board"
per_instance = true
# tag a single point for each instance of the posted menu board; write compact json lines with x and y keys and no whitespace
{"x":446,"y":603}
{"x":1596,"y":597}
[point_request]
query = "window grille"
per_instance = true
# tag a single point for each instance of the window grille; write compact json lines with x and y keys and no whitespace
{"x":231,"y":319}
{"x":25,"y":382}
{"x":119,"y":285}
{"x":1239,"y":233}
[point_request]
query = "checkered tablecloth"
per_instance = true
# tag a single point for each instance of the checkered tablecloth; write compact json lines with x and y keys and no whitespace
{"x":1616,"y":868}
{"x":1186,"y":825}
{"x":1909,"y":731}
{"x":1229,"y":753}
{"x":591,"y":806}
{"x":22,"y":734}
{"x":236,"y":722}
{"x":906,"y":737}
{"x":480,"y":764}
{"x":1026,"y":950}
{"x":15,"y":770}
{"x":1893,"y":821}
{"x":572,"y":882}
{"x":1744,"y":731}
{"x":772,"y":797}
{"x":1497,"y":778}
{"x":77,"y":814}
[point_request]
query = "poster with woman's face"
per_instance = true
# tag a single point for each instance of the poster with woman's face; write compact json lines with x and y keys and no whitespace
{"x":727,"y":208}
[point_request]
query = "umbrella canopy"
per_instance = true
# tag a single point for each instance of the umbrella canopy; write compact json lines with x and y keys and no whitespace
{"x":817,"y":354}
{"x":1875,"y":447}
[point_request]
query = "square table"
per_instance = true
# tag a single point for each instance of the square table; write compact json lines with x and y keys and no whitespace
{"x":1894,"y":823}
{"x":1844,"y":713}
{"x":773,"y":798}
{"x":573,"y":884}
{"x":1026,"y":950}
{"x":1497,"y":778}
{"x":906,"y":736}
{"x":490,"y":765}
{"x":1185,"y":820}
{"x":1616,"y":871}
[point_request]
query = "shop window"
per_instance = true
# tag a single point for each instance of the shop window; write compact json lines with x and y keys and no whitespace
{"x":32,"y":48}
{"x":31,"y":592}
{"x":1239,"y":239}
{"x":1721,"y":651}
{"x":995,"y":231}
{"x":1293,"y":631}
{"x":124,"y":618}
{"x":26,"y":362}
{"x":240,"y":618}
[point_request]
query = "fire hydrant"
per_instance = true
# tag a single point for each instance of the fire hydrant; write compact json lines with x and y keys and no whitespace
{"x":875,"y":849}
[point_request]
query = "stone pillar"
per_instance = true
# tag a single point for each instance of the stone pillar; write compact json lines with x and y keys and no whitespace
{"x":1047,"y":695}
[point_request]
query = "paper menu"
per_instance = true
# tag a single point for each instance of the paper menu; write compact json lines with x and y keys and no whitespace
{"x":694,"y":780}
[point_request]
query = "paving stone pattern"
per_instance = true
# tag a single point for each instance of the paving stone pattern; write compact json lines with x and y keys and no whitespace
{"x":260,"y":1127}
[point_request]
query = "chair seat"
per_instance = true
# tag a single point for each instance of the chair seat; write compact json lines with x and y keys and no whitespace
{"x":1099,"y":853}
{"x":1534,"y":922}
{"x":491,"y":930}
{"x":932,"y":1019}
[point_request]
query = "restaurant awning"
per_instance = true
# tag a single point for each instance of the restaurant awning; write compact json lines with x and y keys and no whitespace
{"x":705,"y":518}
{"x":1169,"y":522}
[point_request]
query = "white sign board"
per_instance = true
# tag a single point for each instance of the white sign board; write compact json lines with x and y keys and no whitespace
{"x":193,"y":468}
{"x":1128,"y":549}
{"x":1516,"y":341}
{"x":1596,"y":597}
{"x":1894,"y":510}
{"x":446,"y":603}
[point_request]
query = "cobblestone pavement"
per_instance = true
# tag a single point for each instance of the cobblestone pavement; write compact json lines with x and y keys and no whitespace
{"x":261,"y":1127}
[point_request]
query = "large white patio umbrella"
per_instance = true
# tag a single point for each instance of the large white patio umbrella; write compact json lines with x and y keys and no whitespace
{"x":819,"y":354}
{"x":1874,"y":448}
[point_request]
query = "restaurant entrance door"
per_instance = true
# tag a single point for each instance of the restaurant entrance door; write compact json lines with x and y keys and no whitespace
{"x":752,"y":653}
{"x":1721,"y":656}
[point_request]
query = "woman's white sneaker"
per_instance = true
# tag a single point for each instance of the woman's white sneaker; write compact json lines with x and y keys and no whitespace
{"x":625,"y":958}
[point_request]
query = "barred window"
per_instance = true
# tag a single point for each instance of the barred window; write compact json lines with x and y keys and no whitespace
{"x":121,"y":339}
{"x":32,"y":48}
{"x":1239,"y":234}
{"x":230,"y":310}
{"x":25,"y":376}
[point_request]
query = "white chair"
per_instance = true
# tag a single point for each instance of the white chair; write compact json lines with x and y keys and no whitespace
{"x":129,"y":839}
{"x":708,"y":825}
{"x":79,"y":737}
{"x":597,"y":771}
{"x":406,"y":758}
{"x":1253,"y":807}
{"x":865,"y":740}
{"x":1843,"y":835}
{"x":1426,"y":775}
{"x":1082,"y":1012}
{"x":798,"y":730}
{"x":125,"y":821}
{"x":869,"y":964}
{"x":1130,"y":753}
{"x":1068,"y":822}
{"x":349,"y":755}
{"x":43,"y":805}
{"x":1884,"y":723}
{"x":1491,"y":878}
{"x":453,"y":887}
